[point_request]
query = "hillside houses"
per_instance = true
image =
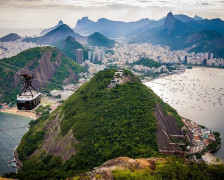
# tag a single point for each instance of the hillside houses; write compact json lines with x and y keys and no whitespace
{"x":201,"y":137}
{"x":118,"y":76}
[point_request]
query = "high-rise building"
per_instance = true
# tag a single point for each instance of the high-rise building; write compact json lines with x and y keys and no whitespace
{"x":185,"y":60}
{"x":102,"y":55}
{"x":89,"y":55}
{"x":98,"y":56}
{"x":204,"y":62}
{"x":79,"y":56}
{"x":93,"y":56}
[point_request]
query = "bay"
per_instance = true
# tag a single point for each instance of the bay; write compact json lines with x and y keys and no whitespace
{"x":196,"y":94}
{"x":12,"y":129}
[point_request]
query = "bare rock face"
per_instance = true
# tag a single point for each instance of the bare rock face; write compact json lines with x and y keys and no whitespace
{"x":43,"y":73}
{"x":46,"y":69}
{"x":166,"y":126}
{"x":130,"y":78}
{"x":55,"y":144}
{"x":104,"y":172}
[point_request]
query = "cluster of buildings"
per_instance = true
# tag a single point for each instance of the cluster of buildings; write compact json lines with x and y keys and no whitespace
{"x":9,"y":49}
{"x":125,"y":53}
{"x":4,"y":105}
{"x":149,"y":70}
{"x":200,"y":136}
{"x":96,"y":55}
{"x":69,"y":89}
{"x":118,"y":76}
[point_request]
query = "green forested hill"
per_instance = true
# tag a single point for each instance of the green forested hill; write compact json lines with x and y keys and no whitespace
{"x":69,"y":46}
{"x":95,"y":124}
{"x":46,"y":64}
{"x":98,"y":39}
{"x":147,"y":62}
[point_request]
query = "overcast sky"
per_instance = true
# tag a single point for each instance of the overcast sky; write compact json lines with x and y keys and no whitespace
{"x":47,"y":13}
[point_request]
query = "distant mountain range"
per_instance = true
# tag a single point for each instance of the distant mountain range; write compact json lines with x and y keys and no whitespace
{"x":63,"y":31}
{"x":180,"y":32}
{"x":109,"y":28}
{"x":10,"y":37}
{"x":176,"y":31}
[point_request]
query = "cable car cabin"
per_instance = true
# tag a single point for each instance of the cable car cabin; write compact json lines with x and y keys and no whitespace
{"x":28,"y":101}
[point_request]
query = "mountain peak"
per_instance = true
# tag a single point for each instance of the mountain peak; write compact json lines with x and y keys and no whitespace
{"x":196,"y":17}
{"x":169,"y":21}
{"x":98,"y":39}
{"x":10,"y":37}
{"x":45,"y":31}
{"x":60,"y":22}
{"x":102,"y":20}
{"x":173,"y":25}
{"x":85,"y":18}
{"x":170,"y":15}
{"x":82,"y":23}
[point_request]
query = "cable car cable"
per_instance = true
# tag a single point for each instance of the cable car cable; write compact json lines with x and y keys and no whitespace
{"x":28,"y":71}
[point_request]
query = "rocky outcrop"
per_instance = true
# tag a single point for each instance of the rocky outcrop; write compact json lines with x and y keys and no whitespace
{"x":44,"y":71}
{"x":129,"y":78}
{"x":166,"y":126}
{"x":19,"y":164}
{"x":104,"y":172}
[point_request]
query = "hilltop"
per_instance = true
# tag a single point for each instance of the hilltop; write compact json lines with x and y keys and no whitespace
{"x":98,"y":39}
{"x":47,"y":64}
{"x":57,"y":34}
{"x":10,"y":37}
{"x":95,"y":124}
{"x":45,"y":31}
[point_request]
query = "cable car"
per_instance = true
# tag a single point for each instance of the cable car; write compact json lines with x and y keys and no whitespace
{"x":28,"y":98}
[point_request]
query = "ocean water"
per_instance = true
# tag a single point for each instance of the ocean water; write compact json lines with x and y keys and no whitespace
{"x":197,"y":94}
{"x":11,"y":131}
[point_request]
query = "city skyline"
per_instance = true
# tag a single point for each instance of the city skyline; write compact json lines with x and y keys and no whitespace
{"x":17,"y":14}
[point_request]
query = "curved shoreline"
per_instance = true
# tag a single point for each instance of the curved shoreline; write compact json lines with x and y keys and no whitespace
{"x":14,"y":110}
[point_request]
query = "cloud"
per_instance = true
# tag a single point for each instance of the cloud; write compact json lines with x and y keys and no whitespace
{"x":104,"y":3}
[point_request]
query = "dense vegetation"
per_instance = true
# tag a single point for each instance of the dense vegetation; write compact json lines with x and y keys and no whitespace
{"x":29,"y":59}
{"x":69,"y":46}
{"x":173,"y":168}
{"x":62,"y":73}
{"x":98,"y":39}
{"x":147,"y":62}
{"x":207,"y":41}
{"x":107,"y":122}
{"x":217,"y":48}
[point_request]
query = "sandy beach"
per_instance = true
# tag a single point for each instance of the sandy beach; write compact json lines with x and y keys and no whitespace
{"x":209,"y":158}
{"x":14,"y":110}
